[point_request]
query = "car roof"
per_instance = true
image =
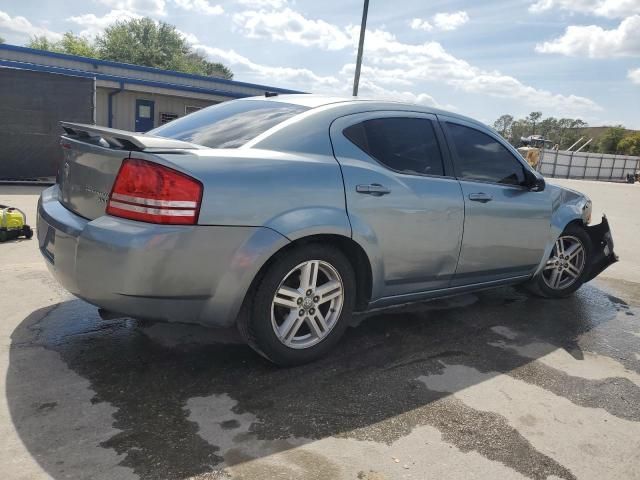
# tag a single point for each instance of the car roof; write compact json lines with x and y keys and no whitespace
{"x":316,"y":101}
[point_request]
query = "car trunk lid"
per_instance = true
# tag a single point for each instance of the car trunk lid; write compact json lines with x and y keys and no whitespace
{"x":92,"y":158}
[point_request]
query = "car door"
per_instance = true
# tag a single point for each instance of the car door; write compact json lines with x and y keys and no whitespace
{"x":401,"y":196}
{"x":506,"y":225}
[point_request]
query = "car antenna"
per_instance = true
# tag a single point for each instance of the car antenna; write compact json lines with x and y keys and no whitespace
{"x":270,"y":94}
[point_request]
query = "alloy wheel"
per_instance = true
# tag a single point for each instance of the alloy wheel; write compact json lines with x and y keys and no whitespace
{"x":307,"y":304}
{"x":566,"y":263}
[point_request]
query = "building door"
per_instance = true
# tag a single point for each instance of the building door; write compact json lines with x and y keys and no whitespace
{"x":144,"y":115}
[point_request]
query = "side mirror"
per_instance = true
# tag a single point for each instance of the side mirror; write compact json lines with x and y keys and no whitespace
{"x":534,"y":181}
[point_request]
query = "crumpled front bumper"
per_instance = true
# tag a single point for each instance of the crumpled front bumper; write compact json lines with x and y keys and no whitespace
{"x":603,"y":254}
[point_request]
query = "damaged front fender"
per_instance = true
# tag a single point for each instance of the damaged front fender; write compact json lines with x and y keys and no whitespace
{"x":602,"y":243}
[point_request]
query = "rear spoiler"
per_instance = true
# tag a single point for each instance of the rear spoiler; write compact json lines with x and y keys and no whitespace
{"x":121,"y":139}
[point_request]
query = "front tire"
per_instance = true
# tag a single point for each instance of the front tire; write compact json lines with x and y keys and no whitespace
{"x":301,"y":306}
{"x":567,"y":266}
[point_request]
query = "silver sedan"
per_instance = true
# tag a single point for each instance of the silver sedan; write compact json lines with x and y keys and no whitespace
{"x":284,"y":215}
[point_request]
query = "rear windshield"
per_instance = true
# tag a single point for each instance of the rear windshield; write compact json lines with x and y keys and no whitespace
{"x":229,"y":124}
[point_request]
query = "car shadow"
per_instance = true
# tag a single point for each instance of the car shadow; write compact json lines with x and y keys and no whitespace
{"x":175,"y":401}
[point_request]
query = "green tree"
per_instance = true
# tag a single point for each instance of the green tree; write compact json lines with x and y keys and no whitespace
{"x":145,"y":42}
{"x":548,"y":128}
{"x":139,"y":42}
{"x":1,"y":39}
{"x":630,"y":145}
{"x":211,"y":69}
{"x":564,"y":126}
{"x":41,"y":43}
{"x":77,"y":45}
{"x":563,"y":131}
{"x":533,"y":119}
{"x":520,"y":128}
{"x":571,"y":131}
{"x":69,"y":43}
{"x":503,"y":125}
{"x":608,"y":143}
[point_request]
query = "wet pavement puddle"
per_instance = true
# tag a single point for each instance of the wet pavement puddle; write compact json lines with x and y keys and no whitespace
{"x":518,"y":387}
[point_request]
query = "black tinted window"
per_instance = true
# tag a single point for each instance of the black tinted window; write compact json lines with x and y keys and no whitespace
{"x":407,"y":145}
{"x":480,"y":157}
{"x":229,"y":124}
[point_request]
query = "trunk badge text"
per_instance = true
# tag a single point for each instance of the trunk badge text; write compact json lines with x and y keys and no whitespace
{"x":102,"y":197}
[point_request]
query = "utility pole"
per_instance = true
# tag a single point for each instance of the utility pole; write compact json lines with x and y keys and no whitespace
{"x":363,"y":28}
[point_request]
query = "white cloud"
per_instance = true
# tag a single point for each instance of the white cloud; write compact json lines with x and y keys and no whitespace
{"x":442,"y":21}
{"x":371,"y":85}
{"x":144,"y":7}
{"x":420,"y":24}
{"x":290,"y":26}
{"x":301,"y":78}
{"x":94,"y":25}
{"x":22,"y":26}
{"x":401,"y":70}
{"x":263,"y":3}
{"x":391,"y":59}
{"x":596,"y":42}
{"x":189,"y":37}
{"x":200,"y":6}
{"x":634,"y":75}
{"x":369,"y":88}
{"x":601,"y":8}
{"x":450,"y":21}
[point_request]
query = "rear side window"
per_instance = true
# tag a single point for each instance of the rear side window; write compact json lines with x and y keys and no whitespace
{"x":229,"y":124}
{"x":406,"y":145}
{"x":480,"y":157}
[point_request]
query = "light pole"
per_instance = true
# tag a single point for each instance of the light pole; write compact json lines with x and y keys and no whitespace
{"x":363,"y":28}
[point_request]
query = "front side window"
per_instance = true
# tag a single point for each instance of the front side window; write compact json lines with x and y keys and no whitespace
{"x":229,"y":124}
{"x":406,"y":145}
{"x":480,"y":157}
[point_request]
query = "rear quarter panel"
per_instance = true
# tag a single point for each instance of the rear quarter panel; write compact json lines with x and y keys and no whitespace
{"x":290,"y":195}
{"x":289,"y":192}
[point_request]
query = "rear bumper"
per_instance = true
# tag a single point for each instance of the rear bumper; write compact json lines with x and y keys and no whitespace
{"x":198,"y":274}
{"x":603,"y":254}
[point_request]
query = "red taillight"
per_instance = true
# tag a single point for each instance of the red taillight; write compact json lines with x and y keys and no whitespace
{"x":153,"y":193}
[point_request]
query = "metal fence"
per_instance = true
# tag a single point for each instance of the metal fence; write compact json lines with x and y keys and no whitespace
{"x":587,"y":165}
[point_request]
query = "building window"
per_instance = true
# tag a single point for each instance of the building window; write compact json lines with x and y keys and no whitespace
{"x":190,"y":109}
{"x":166,"y":117}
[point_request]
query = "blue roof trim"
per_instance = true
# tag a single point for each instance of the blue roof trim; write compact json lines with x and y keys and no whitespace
{"x":114,"y":78}
{"x":95,"y":61}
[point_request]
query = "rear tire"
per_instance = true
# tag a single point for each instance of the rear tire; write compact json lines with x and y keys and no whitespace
{"x":567,"y":266}
{"x":301,"y":305}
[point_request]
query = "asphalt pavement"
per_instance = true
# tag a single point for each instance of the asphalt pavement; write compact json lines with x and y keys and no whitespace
{"x":489,"y":385}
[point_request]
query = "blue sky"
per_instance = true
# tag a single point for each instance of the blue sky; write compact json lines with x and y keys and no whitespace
{"x":566,"y":58}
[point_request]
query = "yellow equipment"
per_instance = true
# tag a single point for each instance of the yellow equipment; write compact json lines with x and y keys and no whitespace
{"x":13,"y":224}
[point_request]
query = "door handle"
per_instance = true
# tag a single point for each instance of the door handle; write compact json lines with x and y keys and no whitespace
{"x":374,"y":189}
{"x":480,"y":197}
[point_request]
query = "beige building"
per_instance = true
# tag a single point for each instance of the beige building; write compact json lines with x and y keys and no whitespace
{"x":132,"y":97}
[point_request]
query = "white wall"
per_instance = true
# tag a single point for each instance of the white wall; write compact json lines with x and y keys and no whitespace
{"x":124,"y":105}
